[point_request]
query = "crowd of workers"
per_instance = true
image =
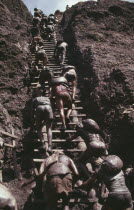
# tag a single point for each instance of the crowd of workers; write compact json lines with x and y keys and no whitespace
{"x":58,"y":175}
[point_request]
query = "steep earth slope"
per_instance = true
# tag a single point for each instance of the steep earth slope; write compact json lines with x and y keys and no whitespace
{"x":18,"y":8}
{"x":101,"y":44}
{"x":14,"y":51}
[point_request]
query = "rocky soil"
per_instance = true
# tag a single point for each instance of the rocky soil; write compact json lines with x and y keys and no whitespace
{"x":101,"y":45}
{"x":14,"y":51}
{"x":14,"y":54}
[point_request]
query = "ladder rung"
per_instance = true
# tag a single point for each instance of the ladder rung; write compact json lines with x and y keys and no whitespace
{"x":55,"y":150}
{"x":65,"y":131}
{"x":63,"y":140}
{"x":72,"y":200}
{"x":78,"y":115}
{"x":60,"y":123}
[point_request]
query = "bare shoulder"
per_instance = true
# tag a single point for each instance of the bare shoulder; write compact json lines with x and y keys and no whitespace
{"x":64,"y":159}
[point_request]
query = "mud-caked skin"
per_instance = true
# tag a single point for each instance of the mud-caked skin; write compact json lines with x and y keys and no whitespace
{"x":110,"y":172}
{"x":129,"y":176}
{"x":6,"y":199}
{"x":40,"y":56}
{"x":60,"y":51}
{"x":59,"y":89}
{"x":36,"y":21}
{"x":89,"y":131}
{"x":49,"y":30}
{"x":37,"y":13}
{"x":35,"y":31}
{"x":51,"y":18}
{"x":1,"y":142}
{"x":42,"y":110}
{"x":45,"y":75}
{"x":69,"y":72}
{"x":61,"y":173}
{"x":44,"y":20}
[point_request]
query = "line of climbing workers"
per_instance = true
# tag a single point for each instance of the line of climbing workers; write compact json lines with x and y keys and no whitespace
{"x":105,"y":176}
{"x":97,"y":176}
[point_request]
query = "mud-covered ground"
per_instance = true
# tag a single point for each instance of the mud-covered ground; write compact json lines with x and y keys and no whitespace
{"x":101,"y":43}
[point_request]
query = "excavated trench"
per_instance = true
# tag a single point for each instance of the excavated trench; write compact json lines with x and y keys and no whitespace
{"x":99,"y":95}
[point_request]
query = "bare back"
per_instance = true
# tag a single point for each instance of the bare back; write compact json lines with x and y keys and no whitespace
{"x":60,"y":167}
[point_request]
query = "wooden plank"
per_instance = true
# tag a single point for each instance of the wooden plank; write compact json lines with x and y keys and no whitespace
{"x":61,"y":150}
{"x":78,"y":115}
{"x":8,"y":134}
{"x":63,"y":140}
{"x":65,"y":131}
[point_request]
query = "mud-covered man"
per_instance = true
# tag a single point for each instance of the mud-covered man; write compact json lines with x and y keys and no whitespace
{"x":60,"y":51}
{"x":40,"y":56}
{"x":46,"y":75}
{"x":42,"y":110}
{"x":60,"y":175}
{"x":89,"y":131}
{"x":59,"y":89}
{"x":110,"y":172}
{"x":69,"y":72}
{"x":49,"y":30}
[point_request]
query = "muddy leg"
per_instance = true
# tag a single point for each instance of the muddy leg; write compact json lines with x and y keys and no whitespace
{"x":39,"y":127}
{"x":63,"y":55}
{"x":61,"y":110}
{"x":68,"y":113}
{"x":45,"y":60}
{"x":36,"y":65}
{"x":74,"y":84}
{"x":49,"y":135}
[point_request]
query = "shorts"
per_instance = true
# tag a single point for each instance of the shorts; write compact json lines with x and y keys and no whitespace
{"x":45,"y":76}
{"x":120,"y":201}
{"x":41,"y":55}
{"x":44,"y":113}
{"x":58,"y":186}
{"x":70,"y":77}
{"x":61,"y":49}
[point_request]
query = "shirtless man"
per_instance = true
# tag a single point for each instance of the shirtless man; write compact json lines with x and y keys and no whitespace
{"x":60,"y":51}
{"x":46,"y":75}
{"x":35,"y":31}
{"x":49,"y":30}
{"x":43,"y":23}
{"x":51,"y":18}
{"x":40,"y":56}
{"x":59,"y":89}
{"x":36,"y":21}
{"x":61,"y":174}
{"x":37,"y":13}
{"x":69,"y":72}
{"x":7,"y":200}
{"x":89,"y":131}
{"x":36,"y":38}
{"x":110,"y":172}
{"x":41,"y":107}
